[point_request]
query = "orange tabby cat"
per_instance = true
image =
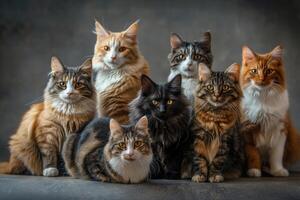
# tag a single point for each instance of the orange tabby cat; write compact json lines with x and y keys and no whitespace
{"x":69,"y":103}
{"x":270,"y":135}
{"x":118,"y":65}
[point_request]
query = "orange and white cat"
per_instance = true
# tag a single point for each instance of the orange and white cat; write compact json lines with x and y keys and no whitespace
{"x":271,"y":140}
{"x":118,"y":66}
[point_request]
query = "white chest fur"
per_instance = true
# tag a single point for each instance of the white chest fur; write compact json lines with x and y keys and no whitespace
{"x":106,"y":79}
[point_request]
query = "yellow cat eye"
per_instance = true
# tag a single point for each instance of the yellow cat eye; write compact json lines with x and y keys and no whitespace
{"x":225,"y":87}
{"x":121,"y":49}
{"x":180,"y":57}
{"x":122,"y":145}
{"x":154,"y":102}
{"x":138,"y":143}
{"x":269,"y":71}
{"x":210,"y":87}
{"x":253,"y":71}
{"x":61,"y":84}
{"x":170,"y":101}
{"x":106,"y":48}
{"x":197,"y":56}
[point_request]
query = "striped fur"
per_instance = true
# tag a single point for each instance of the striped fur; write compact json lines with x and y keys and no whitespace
{"x":108,"y":152}
{"x":39,"y":139}
{"x":118,"y":65}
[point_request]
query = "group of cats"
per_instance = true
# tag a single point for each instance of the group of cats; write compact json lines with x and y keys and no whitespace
{"x":106,"y":120}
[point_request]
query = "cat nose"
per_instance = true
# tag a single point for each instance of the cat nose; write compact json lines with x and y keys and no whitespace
{"x":128,"y":156}
{"x":162,"y":109}
{"x":113,"y":57}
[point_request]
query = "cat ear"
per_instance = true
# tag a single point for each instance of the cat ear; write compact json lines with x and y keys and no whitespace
{"x":115,"y":128}
{"x":86,"y":67}
{"x":233,"y":71}
{"x":131,"y":31}
{"x":175,"y":41}
{"x":248,"y":54}
{"x":176,"y":82}
{"x":206,"y":39}
{"x":148,"y":85}
{"x":203,"y":72}
{"x":142,"y":124}
{"x":56,"y":65}
{"x":277,"y":52}
{"x":100,"y":30}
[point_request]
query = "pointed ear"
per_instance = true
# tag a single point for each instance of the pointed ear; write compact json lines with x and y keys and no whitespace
{"x":203,"y":72}
{"x":234,"y":71}
{"x":115,"y":128}
{"x":148,"y":86}
{"x":56,"y":65}
{"x":206,"y":39}
{"x":100,"y":30}
{"x":175,"y":85}
{"x":142,"y":125}
{"x":277,"y":52}
{"x":175,"y":41}
{"x":248,"y":54}
{"x":131,"y":31}
{"x":86,"y":67}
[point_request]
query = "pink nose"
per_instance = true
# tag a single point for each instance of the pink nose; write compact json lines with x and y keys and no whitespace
{"x":113,"y":57}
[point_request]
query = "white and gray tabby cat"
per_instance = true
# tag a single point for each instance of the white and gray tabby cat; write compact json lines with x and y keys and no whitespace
{"x":185,"y":58}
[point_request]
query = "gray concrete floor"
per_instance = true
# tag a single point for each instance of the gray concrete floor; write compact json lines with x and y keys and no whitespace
{"x":42,"y":188}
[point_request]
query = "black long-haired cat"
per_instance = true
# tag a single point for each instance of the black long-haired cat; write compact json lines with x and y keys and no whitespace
{"x":169,"y":115}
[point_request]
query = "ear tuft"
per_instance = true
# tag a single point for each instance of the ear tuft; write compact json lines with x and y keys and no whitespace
{"x":234,"y":71}
{"x":206,"y":39}
{"x":56,"y":65}
{"x":115,"y":128}
{"x":132,"y":30}
{"x":277,"y":52}
{"x":175,"y":41}
{"x":148,"y":86}
{"x":203,"y":72}
{"x":86,"y":67}
{"x":100,"y":30}
{"x":248,"y":54}
{"x":142,"y":124}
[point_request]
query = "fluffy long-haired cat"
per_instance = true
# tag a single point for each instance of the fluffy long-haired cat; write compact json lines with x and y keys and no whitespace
{"x":185,"y":58}
{"x":69,"y":103}
{"x":271,"y":139}
{"x":217,"y":145}
{"x":119,"y":65}
{"x":169,"y":115}
{"x":109,"y":152}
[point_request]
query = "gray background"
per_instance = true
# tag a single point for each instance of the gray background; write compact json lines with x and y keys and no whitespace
{"x":32,"y":31}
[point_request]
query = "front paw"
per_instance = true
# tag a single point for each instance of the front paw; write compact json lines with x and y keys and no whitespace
{"x":199,"y":178}
{"x":280,"y":172}
{"x":254,"y":172}
{"x":50,"y":172}
{"x":216,"y":178}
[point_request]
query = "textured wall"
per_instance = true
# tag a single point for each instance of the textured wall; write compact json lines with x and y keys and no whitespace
{"x":32,"y":31}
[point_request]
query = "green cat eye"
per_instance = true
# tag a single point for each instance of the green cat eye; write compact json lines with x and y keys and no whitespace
{"x":253,"y":71}
{"x":154,"y":102}
{"x":170,"y":101}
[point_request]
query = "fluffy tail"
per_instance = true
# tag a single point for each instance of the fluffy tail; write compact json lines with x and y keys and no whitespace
{"x":292,"y":147}
{"x":68,"y":154}
{"x":5,"y":168}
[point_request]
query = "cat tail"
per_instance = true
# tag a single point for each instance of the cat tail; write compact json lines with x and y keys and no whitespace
{"x":68,"y":153}
{"x":292,"y":147}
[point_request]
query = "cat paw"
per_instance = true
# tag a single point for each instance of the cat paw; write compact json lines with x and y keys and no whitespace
{"x":198,"y":178}
{"x":254,"y":172}
{"x":280,"y":172}
{"x":50,"y":172}
{"x":216,"y":178}
{"x":185,"y":175}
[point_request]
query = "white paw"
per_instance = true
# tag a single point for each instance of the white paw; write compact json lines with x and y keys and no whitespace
{"x":216,"y":179}
{"x":51,"y":171}
{"x":198,"y":178}
{"x":280,"y":172}
{"x":254,"y":172}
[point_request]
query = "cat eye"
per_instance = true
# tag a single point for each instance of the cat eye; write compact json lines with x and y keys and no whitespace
{"x":225,"y":87}
{"x":79,"y":85}
{"x":210,"y":88}
{"x":61,"y":84}
{"x":269,"y":71}
{"x":180,"y":57}
{"x":138,"y":144}
{"x":106,"y":48}
{"x":122,"y":145}
{"x":253,"y":71}
{"x":121,"y":49}
{"x":170,"y":101}
{"x":197,"y":57}
{"x":154,"y":102}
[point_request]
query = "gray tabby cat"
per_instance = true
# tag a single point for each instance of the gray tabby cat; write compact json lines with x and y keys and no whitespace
{"x":185,"y":58}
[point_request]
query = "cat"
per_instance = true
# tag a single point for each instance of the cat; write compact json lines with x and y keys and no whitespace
{"x":118,"y":65}
{"x":169,"y":115}
{"x":184,"y":59}
{"x":271,"y":139}
{"x":218,"y":143}
{"x":69,"y":103}
{"x":106,"y":151}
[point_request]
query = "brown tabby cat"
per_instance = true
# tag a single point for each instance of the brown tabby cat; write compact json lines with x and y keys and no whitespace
{"x":69,"y":103}
{"x":271,"y":140}
{"x":217,"y":145}
{"x":118,"y":65}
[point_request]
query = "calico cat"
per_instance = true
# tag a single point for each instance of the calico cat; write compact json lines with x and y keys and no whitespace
{"x":185,"y":58}
{"x":169,"y":115}
{"x":118,"y":65}
{"x":69,"y":103}
{"x":106,"y":151}
{"x":217,"y":145}
{"x":270,"y":136}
